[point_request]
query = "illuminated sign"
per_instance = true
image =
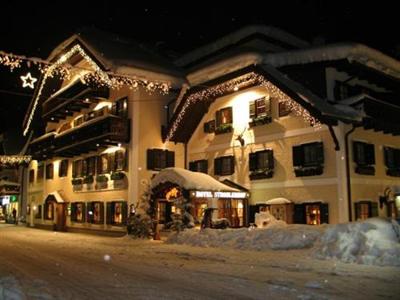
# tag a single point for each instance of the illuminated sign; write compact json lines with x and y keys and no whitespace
{"x":5,"y":200}
{"x":208,"y":194}
{"x":13,"y":198}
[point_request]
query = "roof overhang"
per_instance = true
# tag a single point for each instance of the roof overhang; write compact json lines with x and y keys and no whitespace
{"x":54,"y":197}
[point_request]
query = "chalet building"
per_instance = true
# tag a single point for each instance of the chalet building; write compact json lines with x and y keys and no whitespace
{"x":91,"y":158}
{"x":316,"y":126}
{"x":310,"y":133}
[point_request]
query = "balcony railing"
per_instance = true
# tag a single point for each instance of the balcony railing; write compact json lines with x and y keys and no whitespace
{"x":72,"y":98}
{"x":42,"y":147}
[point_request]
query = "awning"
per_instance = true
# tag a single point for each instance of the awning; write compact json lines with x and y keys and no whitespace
{"x":55,"y":197}
{"x":191,"y":181}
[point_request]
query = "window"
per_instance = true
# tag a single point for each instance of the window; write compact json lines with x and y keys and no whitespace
{"x":209,"y":127}
{"x":260,"y":111}
{"x":158,"y":159}
{"x":95,"y":213}
{"x":365,"y":209}
{"x":233,"y":210}
{"x":120,"y":108}
{"x":63,"y":168}
{"x":364,"y":157}
{"x":199,"y":166}
{"x":31,"y":176}
{"x":78,"y":121}
{"x":224,"y":165}
{"x":392,"y":161}
{"x":261,"y":164}
{"x":308,"y":159}
{"x":77,"y":168}
{"x":284,"y":109}
{"x":40,"y":172}
{"x":49,"y":171}
{"x":78,"y":212}
{"x":49,"y":211}
{"x":91,"y":165}
{"x":103,"y":164}
{"x":311,"y":213}
{"x":119,"y":163}
{"x":117,"y":213}
{"x":223,"y":120}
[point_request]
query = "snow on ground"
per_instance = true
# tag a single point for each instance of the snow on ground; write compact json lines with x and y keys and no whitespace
{"x":374,"y":241}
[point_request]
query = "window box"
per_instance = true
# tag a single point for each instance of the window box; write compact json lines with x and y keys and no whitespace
{"x":88,"y":179}
{"x":260,"y":121}
{"x":101,"y":182}
{"x":261,"y":174}
{"x":223,"y":128}
{"x":308,"y":171}
{"x":77,"y":181}
{"x":117,"y":176}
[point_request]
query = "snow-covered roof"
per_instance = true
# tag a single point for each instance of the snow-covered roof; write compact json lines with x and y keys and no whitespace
{"x":279,"y":200}
{"x":123,"y":56}
{"x":56,"y":196}
{"x":351,"y":52}
{"x":235,"y":37}
{"x":190,"y":180}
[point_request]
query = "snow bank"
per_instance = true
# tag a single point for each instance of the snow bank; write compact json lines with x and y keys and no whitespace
{"x":265,"y":219}
{"x":373,"y":241}
{"x":276,"y":236}
{"x":10,"y":289}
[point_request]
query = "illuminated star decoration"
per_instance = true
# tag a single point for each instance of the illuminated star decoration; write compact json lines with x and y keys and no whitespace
{"x":28,"y":81}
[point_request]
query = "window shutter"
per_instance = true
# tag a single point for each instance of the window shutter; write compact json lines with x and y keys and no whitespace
{"x":150,"y":159}
{"x":298,"y":156}
{"x":89,"y":217}
{"x":370,"y":154}
{"x":110,"y":164}
{"x":320,"y":153}
{"x":203,"y":166}
{"x":209,"y":127}
{"x":192,"y":166}
{"x":389,"y":154}
{"x":267,"y":101}
{"x":271,"y":159}
{"x":109,"y":215}
{"x":357,"y":211}
{"x":99,"y":167}
{"x":299,"y":214}
{"x":228,"y":114}
{"x":170,"y":159}
{"x":252,"y":162}
{"x":218,"y":118}
{"x":102,"y":213}
{"x":124,"y":211}
{"x":374,"y":209}
{"x":84,"y":212}
{"x":232,"y":165}
{"x":74,"y":173}
{"x":73,"y":212}
{"x":217,"y":166}
{"x":252,"y":109}
{"x":358,"y":153}
{"x":324,"y":213}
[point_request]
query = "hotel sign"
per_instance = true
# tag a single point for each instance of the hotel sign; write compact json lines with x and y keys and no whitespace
{"x":208,"y":194}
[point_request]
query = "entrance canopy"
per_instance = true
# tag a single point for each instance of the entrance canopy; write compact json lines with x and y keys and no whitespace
{"x":190,"y":180}
{"x":277,"y":201}
{"x":55,"y":197}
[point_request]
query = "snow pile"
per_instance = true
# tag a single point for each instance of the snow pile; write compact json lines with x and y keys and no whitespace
{"x":264,"y":219}
{"x":373,"y":241}
{"x":276,"y":236}
{"x":10,"y":289}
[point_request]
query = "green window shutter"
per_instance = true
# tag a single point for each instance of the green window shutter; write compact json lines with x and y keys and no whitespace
{"x":232,"y":165}
{"x":252,"y":162}
{"x":324,"y":213}
{"x":109,"y":215}
{"x":252,"y":109}
{"x":217,"y":166}
{"x":320,"y":153}
{"x":124,"y":211}
{"x":299,"y":214}
{"x":192,"y":166}
{"x":298,"y":156}
{"x":374,"y":209}
{"x":150,"y":159}
{"x":370,"y":154}
{"x":271,"y":159}
{"x":170,"y":159}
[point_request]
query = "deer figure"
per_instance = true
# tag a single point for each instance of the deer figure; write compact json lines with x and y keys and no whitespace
{"x":239,"y":137}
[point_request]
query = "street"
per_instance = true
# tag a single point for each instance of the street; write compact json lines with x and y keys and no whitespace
{"x":38,"y":264}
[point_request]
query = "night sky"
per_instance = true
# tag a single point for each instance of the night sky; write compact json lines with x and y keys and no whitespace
{"x":34,"y":29}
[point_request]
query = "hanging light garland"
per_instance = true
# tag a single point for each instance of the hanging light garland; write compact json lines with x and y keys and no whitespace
{"x":12,"y":160}
{"x":93,"y":75}
{"x":232,"y":86}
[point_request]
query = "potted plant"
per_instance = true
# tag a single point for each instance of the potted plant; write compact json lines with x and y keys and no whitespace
{"x":261,"y":120}
{"x":88,"y":179}
{"x":101,"y":181}
{"x":118,"y":179}
{"x":223,"y":128}
{"x":77,"y":184}
{"x":117,"y":176}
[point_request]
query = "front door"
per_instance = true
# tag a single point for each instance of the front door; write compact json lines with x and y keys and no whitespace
{"x":61,"y":216}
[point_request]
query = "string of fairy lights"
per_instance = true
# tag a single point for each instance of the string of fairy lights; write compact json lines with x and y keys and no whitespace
{"x":232,"y":85}
{"x":14,"y":160}
{"x":93,"y":75}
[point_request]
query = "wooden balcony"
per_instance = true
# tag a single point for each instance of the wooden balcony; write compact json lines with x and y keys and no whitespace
{"x":71,"y":98}
{"x":42,"y":147}
{"x":97,"y":133}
